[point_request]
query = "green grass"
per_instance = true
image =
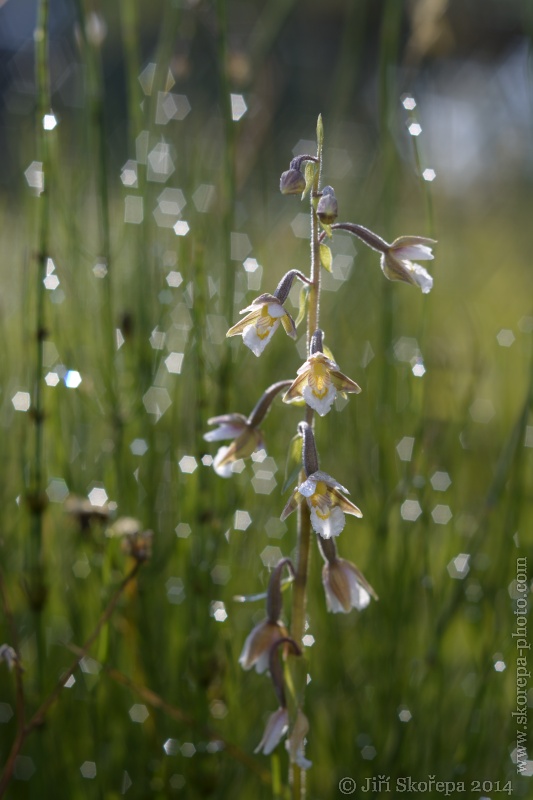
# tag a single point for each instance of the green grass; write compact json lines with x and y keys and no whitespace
{"x":430,"y":644}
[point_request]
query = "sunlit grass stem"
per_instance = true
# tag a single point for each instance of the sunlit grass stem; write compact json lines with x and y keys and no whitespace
{"x":37,"y":498}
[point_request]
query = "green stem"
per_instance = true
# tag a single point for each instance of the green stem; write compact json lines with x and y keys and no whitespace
{"x":297,"y":781}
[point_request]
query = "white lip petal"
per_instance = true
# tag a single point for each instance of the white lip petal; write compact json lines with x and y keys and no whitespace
{"x":225,"y":470}
{"x":332,"y":525}
{"x":423,"y":278}
{"x":320,"y":404}
{"x":255,"y":342}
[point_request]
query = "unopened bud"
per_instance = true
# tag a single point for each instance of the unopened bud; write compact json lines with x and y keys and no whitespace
{"x":327,"y":208}
{"x":292,"y":182}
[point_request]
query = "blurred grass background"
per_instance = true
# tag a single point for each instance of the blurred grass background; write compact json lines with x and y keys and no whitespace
{"x":175,"y":121}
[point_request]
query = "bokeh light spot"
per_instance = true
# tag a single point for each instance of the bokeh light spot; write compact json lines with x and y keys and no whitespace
{"x":156,"y":401}
{"x":440,"y":481}
{"x":242,"y":520}
{"x":175,"y":591}
{"x":441,"y":514}
{"x":270,"y":556}
{"x":188,"y":464}
{"x":505,"y":337}
{"x":238,"y":107}
{"x":459,"y":567}
{"x":57,"y":490}
{"x":72,"y":379}
{"x":183,"y":530}
{"x":138,"y":713}
{"x":204,"y":197}
{"x":404,"y":448}
{"x":181,"y":228}
{"x":410,"y":510}
{"x":21,"y":401}
{"x":218,"y":611}
{"x":98,"y":496}
{"x":174,"y":362}
{"x":139,"y":447}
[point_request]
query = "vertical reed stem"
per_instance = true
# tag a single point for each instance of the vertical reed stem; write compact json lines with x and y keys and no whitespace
{"x":35,"y":561}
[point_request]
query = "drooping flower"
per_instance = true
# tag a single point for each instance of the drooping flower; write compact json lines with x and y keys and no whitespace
{"x":295,"y":744}
{"x":259,"y":643}
{"x":276,"y":727}
{"x":326,"y":501}
{"x":246,"y":440}
{"x":259,"y":325}
{"x":318,"y":382}
{"x":345,"y":586}
{"x":398,"y":261}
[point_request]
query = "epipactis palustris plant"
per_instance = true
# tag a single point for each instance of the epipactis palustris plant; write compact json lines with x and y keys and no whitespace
{"x":320,"y":500}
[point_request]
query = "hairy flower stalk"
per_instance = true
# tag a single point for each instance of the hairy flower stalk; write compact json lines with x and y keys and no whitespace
{"x":319,"y":499}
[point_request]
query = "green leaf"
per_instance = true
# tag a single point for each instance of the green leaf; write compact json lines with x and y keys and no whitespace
{"x":325,"y":257}
{"x":304,"y":292}
{"x":309,"y":174}
{"x":328,"y":230}
{"x":293,"y":464}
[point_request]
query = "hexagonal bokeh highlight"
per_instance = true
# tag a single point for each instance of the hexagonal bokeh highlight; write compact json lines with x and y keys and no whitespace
{"x":404,"y":448}
{"x":138,"y":713}
{"x":188,"y":464}
{"x":88,"y":769}
{"x":156,"y":401}
{"x":440,"y":481}
{"x":410,"y":510}
{"x":441,"y":514}
{"x":459,"y":567}
{"x":139,"y":447}
{"x":98,"y":496}
{"x":174,"y":362}
{"x":204,"y":197}
{"x":270,"y":555}
{"x":242,"y":520}
{"x":57,"y":490}
{"x":21,"y":401}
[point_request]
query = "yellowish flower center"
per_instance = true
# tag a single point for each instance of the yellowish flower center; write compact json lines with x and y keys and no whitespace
{"x":319,"y":379}
{"x":264,"y":323}
{"x":320,"y":500}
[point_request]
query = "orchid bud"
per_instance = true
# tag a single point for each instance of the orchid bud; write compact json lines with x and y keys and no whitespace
{"x":327,"y":208}
{"x":292,"y":182}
